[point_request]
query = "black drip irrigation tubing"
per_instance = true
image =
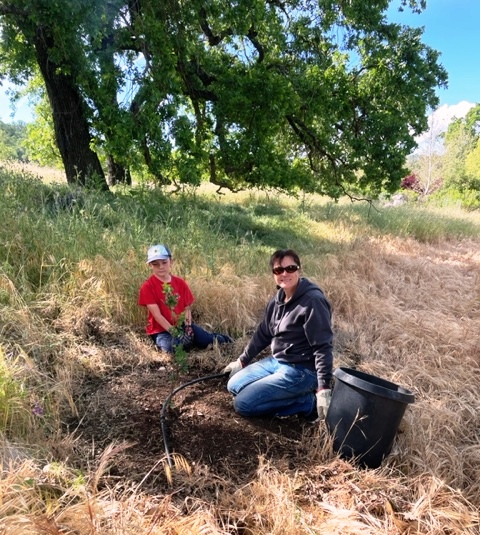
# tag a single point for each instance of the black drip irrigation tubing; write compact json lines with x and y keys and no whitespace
{"x":166,"y":403}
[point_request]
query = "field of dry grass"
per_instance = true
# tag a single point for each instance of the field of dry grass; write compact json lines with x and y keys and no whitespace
{"x":47,"y":175}
{"x":404,"y":310}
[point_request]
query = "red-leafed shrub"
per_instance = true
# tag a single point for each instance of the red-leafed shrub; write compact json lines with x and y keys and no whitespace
{"x":412,"y":182}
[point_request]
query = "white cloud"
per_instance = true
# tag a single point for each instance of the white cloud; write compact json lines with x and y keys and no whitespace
{"x":438,"y":123}
{"x":444,"y":115}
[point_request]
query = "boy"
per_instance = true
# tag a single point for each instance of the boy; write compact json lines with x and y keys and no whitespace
{"x":168,"y":299}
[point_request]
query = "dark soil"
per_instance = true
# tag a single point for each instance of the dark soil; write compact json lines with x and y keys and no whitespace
{"x":199,"y":424}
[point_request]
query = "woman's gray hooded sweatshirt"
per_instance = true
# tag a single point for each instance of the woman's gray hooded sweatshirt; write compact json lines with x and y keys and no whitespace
{"x":298,"y":331}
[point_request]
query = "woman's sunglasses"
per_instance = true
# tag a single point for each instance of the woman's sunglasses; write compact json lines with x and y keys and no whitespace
{"x":289,"y":269}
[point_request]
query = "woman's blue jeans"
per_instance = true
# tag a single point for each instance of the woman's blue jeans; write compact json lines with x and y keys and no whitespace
{"x":270,"y":387}
{"x":201,"y":339}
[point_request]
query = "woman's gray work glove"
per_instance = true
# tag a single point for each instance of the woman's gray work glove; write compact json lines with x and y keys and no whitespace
{"x":233,"y":367}
{"x":323,"y":402}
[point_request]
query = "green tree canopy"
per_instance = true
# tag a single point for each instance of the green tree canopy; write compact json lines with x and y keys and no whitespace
{"x":461,"y":167}
{"x":472,"y":164}
{"x":319,"y":95}
{"x":12,"y":136}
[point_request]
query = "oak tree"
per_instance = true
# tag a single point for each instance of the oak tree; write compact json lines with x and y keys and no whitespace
{"x":323,"y":96}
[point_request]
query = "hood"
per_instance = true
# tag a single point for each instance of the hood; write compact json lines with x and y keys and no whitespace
{"x":304,"y":286}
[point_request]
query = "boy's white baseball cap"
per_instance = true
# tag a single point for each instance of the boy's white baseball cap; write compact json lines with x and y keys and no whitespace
{"x":158,"y":252}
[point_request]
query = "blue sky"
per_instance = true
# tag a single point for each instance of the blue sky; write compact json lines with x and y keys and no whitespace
{"x":451,"y":27}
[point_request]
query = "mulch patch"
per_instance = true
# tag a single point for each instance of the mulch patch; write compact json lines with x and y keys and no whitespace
{"x":199,"y":424}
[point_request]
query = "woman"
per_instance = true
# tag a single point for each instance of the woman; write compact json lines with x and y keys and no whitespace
{"x":296,"y":378}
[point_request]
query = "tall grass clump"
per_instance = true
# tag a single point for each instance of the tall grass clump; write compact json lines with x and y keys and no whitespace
{"x":17,"y":405}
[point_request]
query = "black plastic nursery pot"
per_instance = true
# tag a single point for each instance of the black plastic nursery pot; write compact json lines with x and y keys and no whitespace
{"x":364,"y":415}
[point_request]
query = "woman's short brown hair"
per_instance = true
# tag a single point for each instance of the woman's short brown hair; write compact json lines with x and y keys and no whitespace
{"x":279,"y":255}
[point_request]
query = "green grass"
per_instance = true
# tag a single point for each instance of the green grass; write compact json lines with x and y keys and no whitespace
{"x":422,"y":223}
{"x":43,"y":236}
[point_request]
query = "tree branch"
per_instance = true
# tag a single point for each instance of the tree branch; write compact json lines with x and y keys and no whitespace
{"x":188,"y":76}
{"x":309,"y":138}
{"x":213,"y":40}
{"x":356,"y":199}
{"x":252,"y":35}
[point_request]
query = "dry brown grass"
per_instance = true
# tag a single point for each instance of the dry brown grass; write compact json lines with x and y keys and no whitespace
{"x":47,"y":175}
{"x":410,"y":313}
{"x":405,"y":311}
{"x":233,"y":303}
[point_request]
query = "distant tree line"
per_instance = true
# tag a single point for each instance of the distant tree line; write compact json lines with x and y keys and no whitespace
{"x":12,"y":141}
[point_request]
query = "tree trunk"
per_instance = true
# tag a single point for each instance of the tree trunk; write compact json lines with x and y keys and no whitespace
{"x":72,"y":133}
{"x":117,"y":174}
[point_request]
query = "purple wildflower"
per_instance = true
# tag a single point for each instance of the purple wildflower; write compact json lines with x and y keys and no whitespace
{"x":37,"y":409}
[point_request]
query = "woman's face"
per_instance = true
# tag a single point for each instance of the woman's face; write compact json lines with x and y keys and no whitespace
{"x":285,"y":280}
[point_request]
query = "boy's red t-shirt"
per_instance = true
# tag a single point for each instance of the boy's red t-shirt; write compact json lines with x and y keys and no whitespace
{"x":152,"y":293}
